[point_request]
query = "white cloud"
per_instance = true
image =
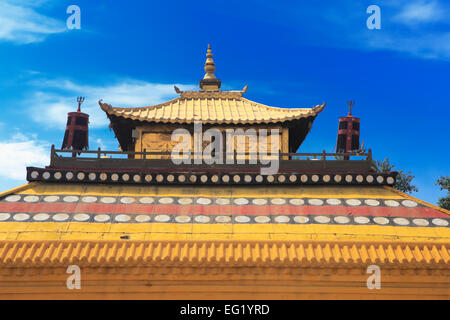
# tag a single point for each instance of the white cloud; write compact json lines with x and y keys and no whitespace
{"x":20,"y":152}
{"x":53,"y":99}
{"x":22,"y":24}
{"x":420,"y":12}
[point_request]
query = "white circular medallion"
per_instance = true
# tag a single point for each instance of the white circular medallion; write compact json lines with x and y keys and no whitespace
{"x":193,"y":178}
{"x":41,"y":217}
{"x":137,"y":178}
{"x":409,"y":203}
{"x":165,"y":200}
{"x":148,"y":178}
{"x":270,"y":178}
{"x":146,"y":200}
{"x":183,"y":219}
{"x":46,"y":175}
{"x":372,"y":202}
{"x":181,"y":178}
{"x":292,"y":178}
{"x":202,"y":219}
{"x":262,"y":219}
{"x":315,"y":202}
{"x":34,"y":174}
{"x":381,"y":220}
{"x":341,"y":219}
{"x":127,"y":200}
{"x":401,"y":221}
{"x":162,"y":218}
{"x":259,"y":178}
{"x":51,"y":199}
{"x":391,"y":203}
{"x":248,"y":178}
{"x":92,"y":176}
{"x":108,"y":200}
{"x":69,"y":175}
{"x":369,"y":178}
{"x":21,"y":217}
{"x":58,"y":175}
{"x":242,"y":219}
{"x":204,"y":201}
{"x":115,"y":177}
{"x":315,"y":178}
{"x":223,"y":201}
{"x":103,"y":176}
{"x":240,"y":201}
{"x":223,"y":219}
{"x":334,"y":202}
{"x":89,"y":199}
{"x":337,"y":178}
{"x":204,"y":178}
{"x":259,"y":202}
{"x":296,"y":202}
{"x":390,"y":180}
{"x":281,"y":178}
{"x":71,"y":199}
{"x":304,"y":178}
{"x":60,"y":217}
{"x":322,"y":219}
{"x":215,"y":178}
{"x":4,"y":216}
{"x":326,"y":178}
{"x":122,"y":218}
{"x":125,"y":177}
{"x":348,"y":178}
{"x":380,"y":179}
{"x":282,"y":219}
{"x":81,"y":175}
{"x":102,"y":218}
{"x":142,"y":218}
{"x":13,"y":198}
{"x":359,"y":178}
{"x":81,"y":217}
{"x":421,"y":222}
{"x":353,"y":202}
{"x":361,"y":220}
{"x":439,"y":222}
{"x":301,"y":219}
{"x":236,"y":178}
{"x":31,"y":199}
{"x":185,"y":201}
{"x":278,"y":201}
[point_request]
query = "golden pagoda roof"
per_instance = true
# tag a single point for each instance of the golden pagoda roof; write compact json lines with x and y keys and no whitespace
{"x":213,"y":108}
{"x":211,"y":105}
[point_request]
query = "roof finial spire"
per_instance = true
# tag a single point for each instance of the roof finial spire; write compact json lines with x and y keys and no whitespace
{"x":209,"y":81}
{"x":350,"y":104}
{"x":210,"y":66}
{"x":80,"y":100}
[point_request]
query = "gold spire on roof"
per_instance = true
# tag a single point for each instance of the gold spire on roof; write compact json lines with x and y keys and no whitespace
{"x":210,"y":66}
{"x":209,"y":81}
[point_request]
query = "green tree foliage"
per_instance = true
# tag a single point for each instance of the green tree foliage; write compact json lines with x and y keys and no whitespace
{"x":404,"y":179}
{"x":444,"y":183}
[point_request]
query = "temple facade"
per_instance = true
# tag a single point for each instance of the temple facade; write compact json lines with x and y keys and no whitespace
{"x":132,"y":224}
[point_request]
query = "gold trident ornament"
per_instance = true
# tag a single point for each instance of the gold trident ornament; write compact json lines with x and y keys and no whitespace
{"x":80,"y":100}
{"x":350,"y":104}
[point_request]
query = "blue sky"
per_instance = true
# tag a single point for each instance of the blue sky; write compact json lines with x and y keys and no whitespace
{"x":290,"y":53}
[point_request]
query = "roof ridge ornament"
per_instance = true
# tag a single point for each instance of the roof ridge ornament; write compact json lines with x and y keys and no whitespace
{"x":350,"y":104}
{"x":209,"y":81}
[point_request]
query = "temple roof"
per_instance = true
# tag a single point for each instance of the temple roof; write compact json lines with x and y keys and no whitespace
{"x":211,"y":105}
